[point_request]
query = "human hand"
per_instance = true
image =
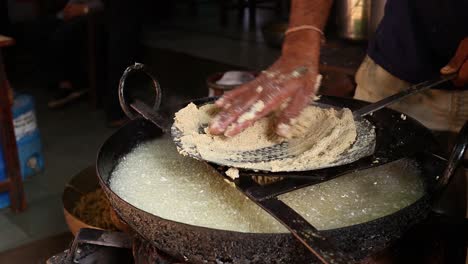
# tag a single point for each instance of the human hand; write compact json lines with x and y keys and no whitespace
{"x":279,"y":84}
{"x":74,"y":10}
{"x":459,"y":63}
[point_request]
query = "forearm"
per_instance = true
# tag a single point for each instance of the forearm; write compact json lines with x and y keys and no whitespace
{"x":309,"y":12}
{"x":301,"y":47}
{"x":306,"y":43}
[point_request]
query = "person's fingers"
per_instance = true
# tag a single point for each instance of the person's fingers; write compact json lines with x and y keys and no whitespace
{"x":262,"y":107}
{"x":461,"y":55}
{"x":226,"y":117}
{"x":237,"y":102}
{"x":227,"y":99}
{"x":462,"y":78}
{"x":300,"y":100}
{"x":257,"y":84}
{"x":276,"y":92}
{"x":235,"y":129}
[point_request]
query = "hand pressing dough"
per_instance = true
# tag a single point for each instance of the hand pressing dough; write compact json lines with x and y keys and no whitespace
{"x":330,"y":131}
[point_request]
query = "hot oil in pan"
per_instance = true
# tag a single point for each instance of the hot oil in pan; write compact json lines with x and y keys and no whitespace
{"x":155,"y":178}
{"x":359,"y":197}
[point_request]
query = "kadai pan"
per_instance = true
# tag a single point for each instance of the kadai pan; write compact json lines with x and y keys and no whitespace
{"x":196,"y":244}
{"x":200,"y":245}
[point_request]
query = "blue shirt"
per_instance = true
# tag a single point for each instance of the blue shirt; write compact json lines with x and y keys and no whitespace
{"x":418,"y":37}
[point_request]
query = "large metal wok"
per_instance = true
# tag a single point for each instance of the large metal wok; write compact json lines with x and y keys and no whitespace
{"x":204,"y":245}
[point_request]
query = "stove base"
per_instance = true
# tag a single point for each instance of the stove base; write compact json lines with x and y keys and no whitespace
{"x":438,"y":240}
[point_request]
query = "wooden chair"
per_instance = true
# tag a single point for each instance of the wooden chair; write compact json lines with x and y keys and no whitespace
{"x":14,"y":182}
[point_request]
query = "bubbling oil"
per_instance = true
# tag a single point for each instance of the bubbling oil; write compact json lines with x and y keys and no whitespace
{"x":156,"y":179}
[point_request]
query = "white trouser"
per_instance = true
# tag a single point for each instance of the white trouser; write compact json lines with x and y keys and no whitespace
{"x":437,"y":109}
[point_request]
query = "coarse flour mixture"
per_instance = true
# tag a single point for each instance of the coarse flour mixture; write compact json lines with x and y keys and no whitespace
{"x":329,"y":132}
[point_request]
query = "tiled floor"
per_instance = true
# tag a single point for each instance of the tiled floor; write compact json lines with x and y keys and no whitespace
{"x":11,"y":233}
{"x":37,"y":252}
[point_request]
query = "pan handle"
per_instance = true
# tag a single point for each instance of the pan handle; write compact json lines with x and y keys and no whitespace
{"x":127,"y":103}
{"x":456,"y":157}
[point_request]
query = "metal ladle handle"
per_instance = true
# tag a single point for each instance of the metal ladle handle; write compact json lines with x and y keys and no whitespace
{"x":134,"y":107}
{"x":417,"y":88}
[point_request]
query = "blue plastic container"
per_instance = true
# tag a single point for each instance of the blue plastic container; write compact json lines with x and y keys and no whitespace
{"x":27,"y":140}
{"x":4,"y":199}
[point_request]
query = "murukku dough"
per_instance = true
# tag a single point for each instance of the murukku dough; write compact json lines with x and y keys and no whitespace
{"x":328,"y":131}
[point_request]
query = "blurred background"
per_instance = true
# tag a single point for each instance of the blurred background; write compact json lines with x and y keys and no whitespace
{"x":62,"y":61}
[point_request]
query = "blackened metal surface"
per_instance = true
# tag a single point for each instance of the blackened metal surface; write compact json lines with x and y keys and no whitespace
{"x":96,"y":246}
{"x":439,"y":239}
{"x":145,"y":252}
{"x":315,"y":241}
{"x":202,"y":245}
{"x":101,"y":238}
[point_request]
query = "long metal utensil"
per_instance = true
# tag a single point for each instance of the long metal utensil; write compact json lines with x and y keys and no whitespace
{"x":316,"y":242}
{"x":417,"y":88}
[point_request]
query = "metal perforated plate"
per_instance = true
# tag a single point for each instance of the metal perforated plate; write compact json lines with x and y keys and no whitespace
{"x":258,"y":159}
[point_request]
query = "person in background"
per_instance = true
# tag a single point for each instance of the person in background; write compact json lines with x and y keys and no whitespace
{"x":415,"y":41}
{"x":66,"y":52}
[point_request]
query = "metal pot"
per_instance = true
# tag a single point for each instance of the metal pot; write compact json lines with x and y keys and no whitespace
{"x":206,"y":245}
{"x":352,"y":19}
{"x":81,"y":184}
{"x":221,"y":246}
{"x":216,"y":89}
